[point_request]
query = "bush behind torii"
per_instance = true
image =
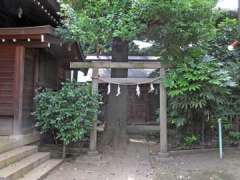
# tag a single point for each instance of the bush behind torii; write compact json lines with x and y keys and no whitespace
{"x":68,"y":112}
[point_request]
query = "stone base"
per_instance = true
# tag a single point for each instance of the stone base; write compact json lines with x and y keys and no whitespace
{"x":92,"y":153}
{"x":93,"y":156}
{"x":163,"y":155}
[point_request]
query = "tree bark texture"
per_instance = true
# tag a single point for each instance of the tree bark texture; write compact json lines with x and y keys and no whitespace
{"x":117,"y":107}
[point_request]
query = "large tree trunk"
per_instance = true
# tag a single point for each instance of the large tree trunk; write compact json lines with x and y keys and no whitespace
{"x":116,"y":114}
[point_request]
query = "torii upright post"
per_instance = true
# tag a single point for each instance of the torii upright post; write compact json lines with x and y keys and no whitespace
{"x":93,"y":133}
{"x":163,"y":117}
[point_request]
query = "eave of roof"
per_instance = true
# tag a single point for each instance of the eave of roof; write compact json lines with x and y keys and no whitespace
{"x":38,"y":37}
{"x":27,"y":30}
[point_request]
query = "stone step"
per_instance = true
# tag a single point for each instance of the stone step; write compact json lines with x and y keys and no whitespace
{"x":20,"y":168}
{"x":8,"y":143}
{"x":15,"y":155}
{"x":43,"y":170}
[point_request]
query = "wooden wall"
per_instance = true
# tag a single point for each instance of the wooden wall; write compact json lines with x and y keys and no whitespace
{"x":31,"y":57}
{"x":138,"y":107}
{"x":22,"y":70}
{"x":40,"y":70}
{"x":48,"y":70}
{"x":7,"y":56}
{"x":141,"y":110}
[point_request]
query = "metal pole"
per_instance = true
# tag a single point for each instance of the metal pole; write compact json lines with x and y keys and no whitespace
{"x":239,"y":10}
{"x":220,"y":138}
{"x":238,"y":15}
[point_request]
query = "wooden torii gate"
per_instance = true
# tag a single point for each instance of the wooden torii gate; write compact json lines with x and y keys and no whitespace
{"x":96,"y":65}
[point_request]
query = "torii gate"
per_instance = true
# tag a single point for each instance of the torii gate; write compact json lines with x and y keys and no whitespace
{"x":96,"y":65}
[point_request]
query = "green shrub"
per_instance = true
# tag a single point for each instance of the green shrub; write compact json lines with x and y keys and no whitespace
{"x":68,"y":112}
{"x":234,"y":136}
{"x":190,"y":140}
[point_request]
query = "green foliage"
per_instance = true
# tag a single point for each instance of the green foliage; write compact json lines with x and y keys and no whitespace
{"x":196,"y":82}
{"x":169,"y":24}
{"x":177,"y":24}
{"x":230,"y":131}
{"x":174,"y":119}
{"x":189,"y":36}
{"x":227,"y":31}
{"x":177,"y":120}
{"x":95,"y":23}
{"x":235,"y":136}
{"x":191,"y":140}
{"x":227,"y":125}
{"x":69,"y":111}
{"x":195,"y":76}
{"x":200,"y":87}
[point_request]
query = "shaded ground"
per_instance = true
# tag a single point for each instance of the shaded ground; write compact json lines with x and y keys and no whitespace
{"x":131,"y":163}
{"x":135,"y":163}
{"x":198,"y":166}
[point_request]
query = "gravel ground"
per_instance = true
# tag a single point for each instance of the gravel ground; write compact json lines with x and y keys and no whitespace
{"x":138,"y":162}
{"x":132,"y":163}
{"x":198,"y":166}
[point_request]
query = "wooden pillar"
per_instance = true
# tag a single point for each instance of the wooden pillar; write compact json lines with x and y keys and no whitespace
{"x":18,"y":89}
{"x":163,"y":117}
{"x":93,"y":133}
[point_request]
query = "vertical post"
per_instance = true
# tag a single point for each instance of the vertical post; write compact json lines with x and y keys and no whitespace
{"x":75,"y":75}
{"x":18,"y":89}
{"x":239,"y":11}
{"x":220,"y":138}
{"x":93,"y":133}
{"x":238,"y":15}
{"x":163,"y":117}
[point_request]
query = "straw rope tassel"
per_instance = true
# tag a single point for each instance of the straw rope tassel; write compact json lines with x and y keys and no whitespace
{"x":138,"y":90}
{"x":151,"y":88}
{"x":118,"y":90}
{"x":109,"y":89}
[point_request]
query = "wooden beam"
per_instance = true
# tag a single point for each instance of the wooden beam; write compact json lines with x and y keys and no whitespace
{"x":52,"y":39}
{"x":130,"y":58}
{"x":29,"y":40}
{"x":32,"y":44}
{"x":128,"y":81}
{"x":116,"y":65}
{"x":27,"y":30}
{"x":10,"y":37}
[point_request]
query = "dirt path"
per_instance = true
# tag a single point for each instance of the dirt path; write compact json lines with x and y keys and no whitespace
{"x":130,"y":164}
{"x":135,"y":163}
{"x":198,"y":166}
